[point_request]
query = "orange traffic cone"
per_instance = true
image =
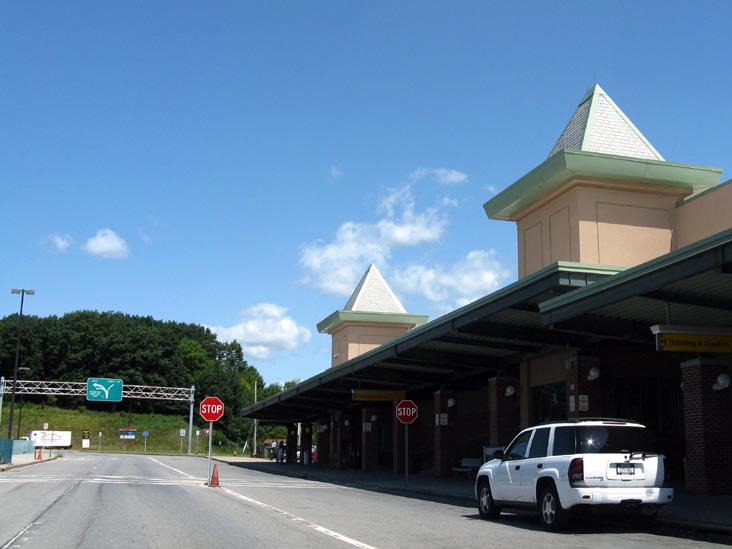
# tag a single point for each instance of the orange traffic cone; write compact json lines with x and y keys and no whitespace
{"x":39,"y":454}
{"x":215,"y":477}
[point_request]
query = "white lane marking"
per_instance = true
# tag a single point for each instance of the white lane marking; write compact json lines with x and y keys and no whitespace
{"x":171,"y":468}
{"x":300,"y":520}
{"x":23,"y":531}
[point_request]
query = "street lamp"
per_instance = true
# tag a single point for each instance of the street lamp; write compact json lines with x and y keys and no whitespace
{"x":22,"y":293}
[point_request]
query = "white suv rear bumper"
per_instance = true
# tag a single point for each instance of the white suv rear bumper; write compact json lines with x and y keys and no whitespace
{"x":615,"y":496}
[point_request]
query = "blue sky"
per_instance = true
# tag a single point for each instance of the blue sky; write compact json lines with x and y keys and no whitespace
{"x":239,"y":164}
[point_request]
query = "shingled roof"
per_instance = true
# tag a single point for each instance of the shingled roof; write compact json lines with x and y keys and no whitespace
{"x":374,"y":295}
{"x":598,"y":125}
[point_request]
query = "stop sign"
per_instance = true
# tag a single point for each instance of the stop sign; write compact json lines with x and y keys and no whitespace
{"x":406,"y":411}
{"x":211,"y":409}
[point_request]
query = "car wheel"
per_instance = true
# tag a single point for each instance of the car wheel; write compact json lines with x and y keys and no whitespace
{"x":553,"y":516}
{"x":487,"y":508}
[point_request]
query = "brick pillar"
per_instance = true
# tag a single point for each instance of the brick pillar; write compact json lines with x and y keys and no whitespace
{"x":291,"y":443}
{"x":370,"y":418}
{"x":324,"y":437}
{"x":306,"y":443}
{"x":504,"y":412}
{"x":335,"y":439}
{"x":708,"y":427}
{"x":445,"y":433}
{"x":584,"y":387}
{"x":345,"y":442}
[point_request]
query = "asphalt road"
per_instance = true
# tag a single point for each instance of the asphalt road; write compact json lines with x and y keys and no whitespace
{"x":103,"y":500}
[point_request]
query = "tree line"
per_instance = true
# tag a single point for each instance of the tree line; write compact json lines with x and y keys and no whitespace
{"x":140,"y":351}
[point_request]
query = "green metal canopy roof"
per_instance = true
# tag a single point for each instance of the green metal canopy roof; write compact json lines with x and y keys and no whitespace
{"x":691,"y":286}
{"x":478,"y":339}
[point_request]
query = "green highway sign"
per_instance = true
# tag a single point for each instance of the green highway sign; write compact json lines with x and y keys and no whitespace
{"x":103,"y":389}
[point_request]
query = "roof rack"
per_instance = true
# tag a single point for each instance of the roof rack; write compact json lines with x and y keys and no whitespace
{"x":581,"y":419}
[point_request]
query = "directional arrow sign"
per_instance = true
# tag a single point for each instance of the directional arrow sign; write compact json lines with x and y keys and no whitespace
{"x":103,"y":389}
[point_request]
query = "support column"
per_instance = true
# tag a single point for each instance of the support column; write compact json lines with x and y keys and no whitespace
{"x":504,"y":413}
{"x":291,"y":443}
{"x":306,"y":443}
{"x":324,"y":441}
{"x":708,"y":429}
{"x":345,"y":442}
{"x":445,"y":433}
{"x":335,"y":439}
{"x":584,"y":387}
{"x":370,"y":418}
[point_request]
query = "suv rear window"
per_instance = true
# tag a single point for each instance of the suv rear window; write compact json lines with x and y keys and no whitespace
{"x":610,"y":439}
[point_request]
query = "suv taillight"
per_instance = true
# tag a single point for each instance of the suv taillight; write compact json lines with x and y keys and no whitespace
{"x":576,"y":472}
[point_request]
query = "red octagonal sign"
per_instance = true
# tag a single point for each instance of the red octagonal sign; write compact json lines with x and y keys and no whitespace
{"x":211,"y":409}
{"x":406,"y":411}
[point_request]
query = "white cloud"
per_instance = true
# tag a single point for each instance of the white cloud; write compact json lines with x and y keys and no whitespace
{"x":264,"y":329}
{"x":335,"y":173}
{"x":60,"y":242}
{"x":107,"y":244}
{"x":441,"y":175}
{"x":476,"y":275}
{"x":335,"y":267}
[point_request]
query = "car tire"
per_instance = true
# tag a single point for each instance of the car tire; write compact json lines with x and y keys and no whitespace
{"x":553,"y":516}
{"x":487,"y":508}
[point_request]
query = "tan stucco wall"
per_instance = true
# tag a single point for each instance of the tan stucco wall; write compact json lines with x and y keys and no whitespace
{"x":705,"y":215}
{"x":599,"y":222}
{"x":354,"y":339}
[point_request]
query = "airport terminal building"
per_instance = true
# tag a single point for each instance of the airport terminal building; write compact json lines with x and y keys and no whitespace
{"x":623,"y":308}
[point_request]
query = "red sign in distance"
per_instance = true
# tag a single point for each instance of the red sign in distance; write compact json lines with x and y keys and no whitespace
{"x":211,"y":409}
{"x":406,"y":411}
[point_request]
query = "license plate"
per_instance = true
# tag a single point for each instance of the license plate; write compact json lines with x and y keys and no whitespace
{"x":625,"y":470}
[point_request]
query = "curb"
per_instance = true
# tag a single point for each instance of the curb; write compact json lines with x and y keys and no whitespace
{"x":8,"y":466}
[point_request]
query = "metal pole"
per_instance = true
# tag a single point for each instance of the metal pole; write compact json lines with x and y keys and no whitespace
{"x":190,"y":418}
{"x":2,"y":391}
{"x":254,"y":447}
{"x":210,"y":438}
{"x":17,"y":356}
{"x":406,"y":454}
{"x":20,"y":416}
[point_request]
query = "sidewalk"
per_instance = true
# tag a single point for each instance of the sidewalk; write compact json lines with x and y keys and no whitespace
{"x":702,"y":514}
{"x":21,"y":460}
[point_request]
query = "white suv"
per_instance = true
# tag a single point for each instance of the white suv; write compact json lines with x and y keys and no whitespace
{"x":560,"y":467}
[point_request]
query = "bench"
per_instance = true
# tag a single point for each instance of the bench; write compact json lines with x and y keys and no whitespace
{"x":468,"y":465}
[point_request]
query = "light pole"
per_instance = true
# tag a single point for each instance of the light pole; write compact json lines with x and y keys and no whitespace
{"x":22,"y":293}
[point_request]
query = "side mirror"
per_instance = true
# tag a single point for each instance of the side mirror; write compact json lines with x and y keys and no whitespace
{"x":498,"y":454}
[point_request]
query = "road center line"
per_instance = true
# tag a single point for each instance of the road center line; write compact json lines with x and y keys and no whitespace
{"x":171,"y":468}
{"x":300,"y":520}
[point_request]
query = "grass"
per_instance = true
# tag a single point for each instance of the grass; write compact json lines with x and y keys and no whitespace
{"x":163,"y":430}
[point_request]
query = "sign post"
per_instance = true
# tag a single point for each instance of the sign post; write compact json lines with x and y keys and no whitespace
{"x":406,"y":412}
{"x":211,"y":409}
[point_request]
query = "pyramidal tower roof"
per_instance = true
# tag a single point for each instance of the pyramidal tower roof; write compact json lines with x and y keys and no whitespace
{"x":598,"y":125}
{"x":374,"y":295}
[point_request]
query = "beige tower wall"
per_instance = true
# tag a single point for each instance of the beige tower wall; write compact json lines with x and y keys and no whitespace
{"x":355,"y":339}
{"x":599,"y":222}
{"x":705,"y":215}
